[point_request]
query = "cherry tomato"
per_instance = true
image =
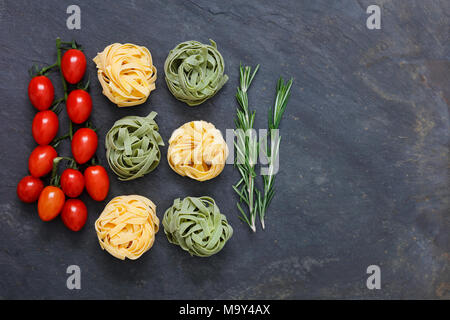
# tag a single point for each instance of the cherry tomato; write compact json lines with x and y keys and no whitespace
{"x":74,"y":214}
{"x":73,"y":65}
{"x":40,"y":161}
{"x":41,"y":92}
{"x":72,"y":182}
{"x":29,"y":189}
{"x":97,"y":182}
{"x":79,"y":106}
{"x":50,"y":203}
{"x":45,"y":126}
{"x":84,"y":145}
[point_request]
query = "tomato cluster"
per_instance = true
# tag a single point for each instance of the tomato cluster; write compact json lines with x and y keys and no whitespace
{"x":44,"y":158}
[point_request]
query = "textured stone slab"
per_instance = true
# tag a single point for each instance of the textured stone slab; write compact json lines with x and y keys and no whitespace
{"x":364,"y":155}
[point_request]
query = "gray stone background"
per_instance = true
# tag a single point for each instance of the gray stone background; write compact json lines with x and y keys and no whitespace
{"x":364,"y":156}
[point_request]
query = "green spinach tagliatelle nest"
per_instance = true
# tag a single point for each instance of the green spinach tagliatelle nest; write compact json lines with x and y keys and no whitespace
{"x":195,"y":71}
{"x":197,"y":226}
{"x":132,"y":146}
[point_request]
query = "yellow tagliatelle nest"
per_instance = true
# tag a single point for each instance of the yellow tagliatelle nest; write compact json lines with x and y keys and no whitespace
{"x":126,"y":73}
{"x":127,"y":226}
{"x":197,"y":150}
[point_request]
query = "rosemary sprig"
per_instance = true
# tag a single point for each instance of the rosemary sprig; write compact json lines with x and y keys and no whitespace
{"x":246,"y":148}
{"x":274,"y":119}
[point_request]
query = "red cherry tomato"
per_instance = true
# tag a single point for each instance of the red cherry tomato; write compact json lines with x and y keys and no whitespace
{"x":79,"y":106}
{"x":97,"y":182}
{"x":74,"y":214}
{"x":73,"y":65}
{"x":29,"y":189}
{"x":72,"y":182}
{"x":84,"y":145}
{"x":45,"y":126}
{"x":40,"y":161}
{"x":41,"y":92}
{"x":50,"y":203}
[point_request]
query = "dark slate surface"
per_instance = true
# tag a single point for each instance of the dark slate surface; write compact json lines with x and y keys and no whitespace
{"x":364,"y":157}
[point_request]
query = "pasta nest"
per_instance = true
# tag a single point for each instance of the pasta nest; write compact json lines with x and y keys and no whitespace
{"x":197,"y":150}
{"x":126,"y":73}
{"x":197,"y":226}
{"x":127,"y":226}
{"x":194,"y":71}
{"x":132,"y":146}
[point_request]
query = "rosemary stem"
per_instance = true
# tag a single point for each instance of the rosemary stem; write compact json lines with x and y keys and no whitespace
{"x":250,"y":206}
{"x":247,"y":150}
{"x":282,"y":96}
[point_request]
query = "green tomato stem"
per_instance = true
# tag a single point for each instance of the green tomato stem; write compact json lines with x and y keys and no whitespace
{"x":43,"y":71}
{"x":58,"y":50}
{"x":56,"y":141}
{"x":55,"y":177}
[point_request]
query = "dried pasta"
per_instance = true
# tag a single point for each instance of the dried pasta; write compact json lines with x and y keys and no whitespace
{"x":132,"y":146}
{"x":194,"y":71}
{"x":197,"y":226}
{"x":197,"y":150}
{"x":127,"y":226}
{"x":126,"y":73}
